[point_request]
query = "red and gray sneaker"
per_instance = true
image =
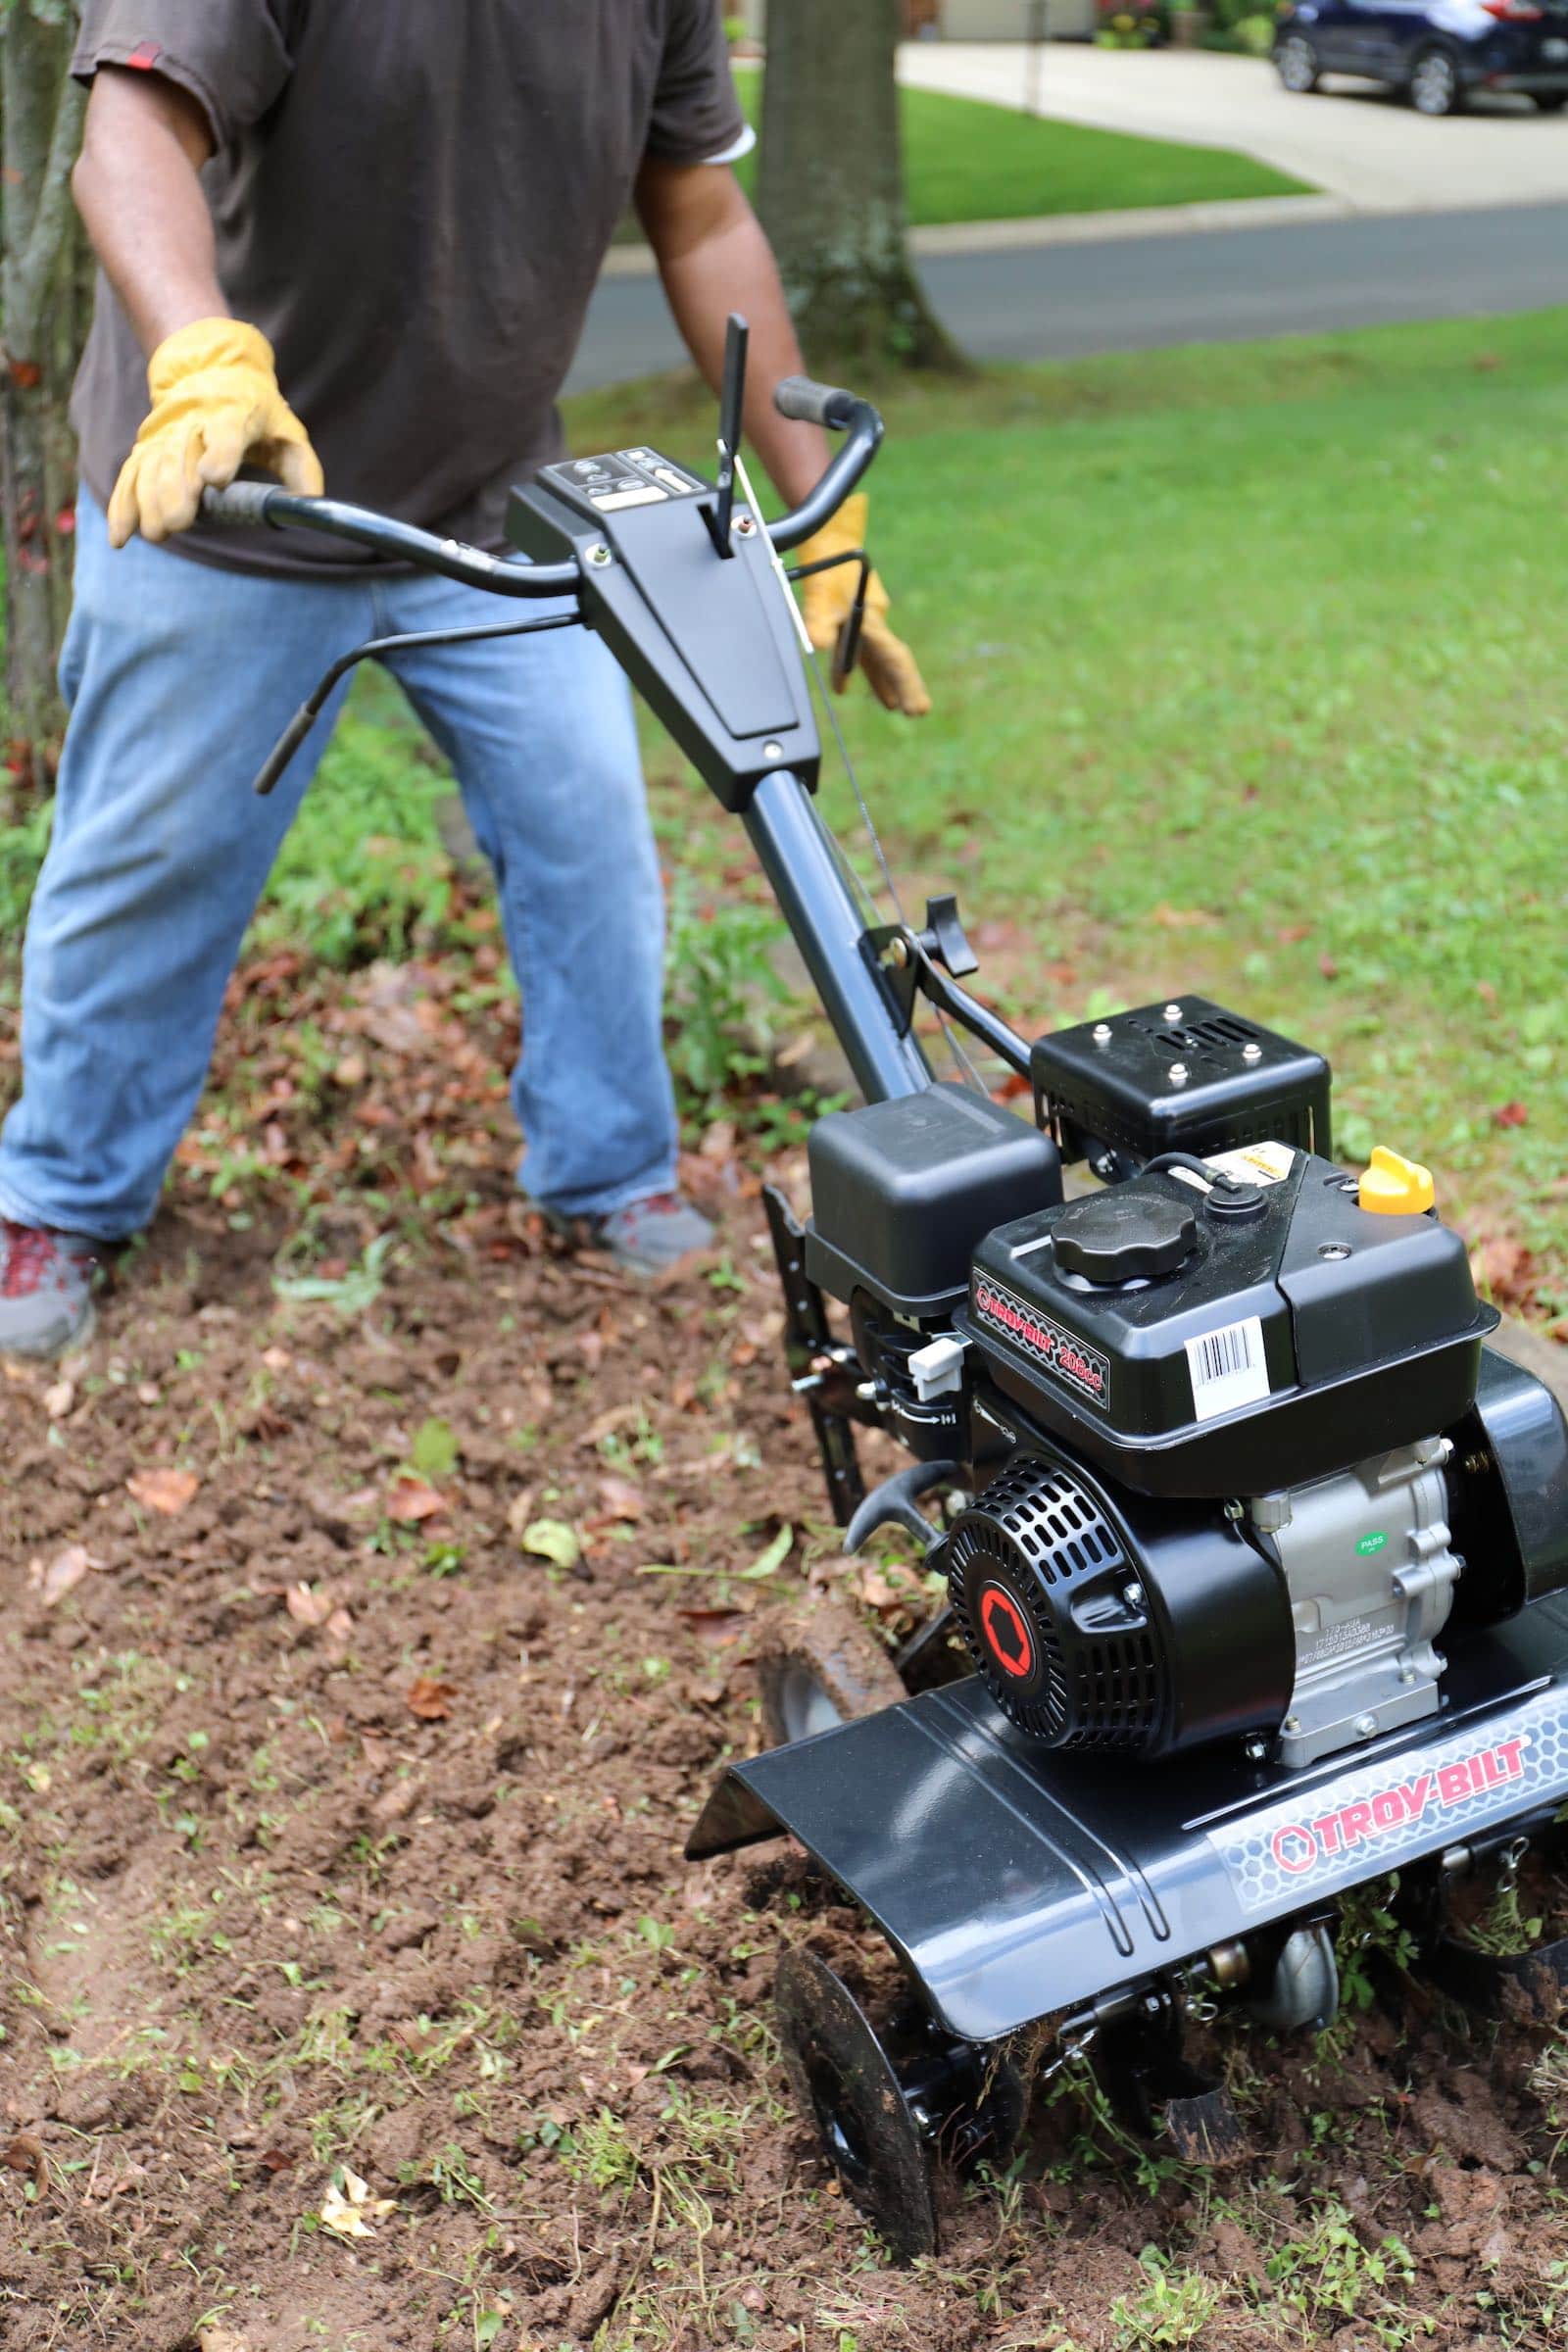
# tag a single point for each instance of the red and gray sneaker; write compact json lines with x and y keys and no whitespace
{"x":46,"y":1286}
{"x":645,"y":1238}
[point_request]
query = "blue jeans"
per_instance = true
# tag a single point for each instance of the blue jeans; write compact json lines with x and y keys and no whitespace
{"x":179,"y":676}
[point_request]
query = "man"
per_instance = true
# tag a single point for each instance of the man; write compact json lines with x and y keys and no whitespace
{"x":355,"y":245}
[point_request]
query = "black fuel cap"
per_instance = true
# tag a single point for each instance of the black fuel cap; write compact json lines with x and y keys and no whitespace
{"x":1124,"y":1234}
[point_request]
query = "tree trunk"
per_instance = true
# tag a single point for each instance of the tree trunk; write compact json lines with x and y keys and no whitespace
{"x":42,"y":320}
{"x":831,"y":188}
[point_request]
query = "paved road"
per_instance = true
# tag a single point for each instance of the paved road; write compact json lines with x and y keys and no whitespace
{"x":1055,"y":301}
{"x":1360,"y":144}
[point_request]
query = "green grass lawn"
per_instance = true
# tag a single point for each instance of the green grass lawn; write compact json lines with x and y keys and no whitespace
{"x":1249,"y":669}
{"x":967,"y":161}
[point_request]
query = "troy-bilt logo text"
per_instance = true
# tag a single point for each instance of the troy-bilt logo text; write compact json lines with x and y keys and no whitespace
{"x":1298,"y":1845}
{"x":1054,"y":1347}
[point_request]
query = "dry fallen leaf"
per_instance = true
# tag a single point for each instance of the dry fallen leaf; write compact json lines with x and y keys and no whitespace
{"x":412,"y":1499}
{"x":220,"y":2339}
{"x":307,"y":1607}
{"x":430,"y":1700}
{"x":619,"y":1498}
{"x":348,"y":2210}
{"x":63,"y":1573}
{"x":26,"y":2155}
{"x":520,"y":1512}
{"x":721,"y":1626}
{"x":58,"y":1400}
{"x":1504,"y":1271}
{"x":166,"y":1491}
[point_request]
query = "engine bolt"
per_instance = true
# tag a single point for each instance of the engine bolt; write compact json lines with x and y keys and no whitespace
{"x":1133,"y":1595}
{"x":1102,"y":1033}
{"x":1252,"y":1051}
{"x":1364,"y":1726}
{"x":899,"y":952}
{"x":745,"y":528}
{"x":772,"y":751}
{"x":600,"y":555}
{"x":1173,"y":1012}
{"x":1177,"y":1073}
{"x":1334,"y":1249}
{"x":1292,"y":1724}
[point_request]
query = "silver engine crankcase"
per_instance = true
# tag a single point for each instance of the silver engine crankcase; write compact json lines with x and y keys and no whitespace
{"x":1370,"y":1572}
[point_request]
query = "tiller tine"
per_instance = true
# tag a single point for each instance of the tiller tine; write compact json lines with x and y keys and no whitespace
{"x":1155,"y":2090}
{"x":1529,"y":1988}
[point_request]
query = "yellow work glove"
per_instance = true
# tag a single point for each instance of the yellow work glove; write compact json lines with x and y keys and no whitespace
{"x":215,"y":405}
{"x":889,"y":666}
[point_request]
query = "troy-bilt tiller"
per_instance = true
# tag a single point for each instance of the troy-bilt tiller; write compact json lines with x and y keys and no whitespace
{"x":1256,"y":1548}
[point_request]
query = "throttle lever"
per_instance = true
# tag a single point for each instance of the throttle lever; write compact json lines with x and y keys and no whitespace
{"x":945,"y":939}
{"x":731,"y":416}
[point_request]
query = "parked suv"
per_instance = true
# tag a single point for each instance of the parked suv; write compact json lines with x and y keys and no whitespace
{"x":1437,"y":51}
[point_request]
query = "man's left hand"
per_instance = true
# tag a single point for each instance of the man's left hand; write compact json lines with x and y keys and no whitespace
{"x":890,"y":667}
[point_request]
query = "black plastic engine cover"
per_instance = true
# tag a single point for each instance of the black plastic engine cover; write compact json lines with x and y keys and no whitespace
{"x":1508,"y":1492}
{"x":1110,"y":1082}
{"x":903,"y":1191}
{"x":1291,"y":1341}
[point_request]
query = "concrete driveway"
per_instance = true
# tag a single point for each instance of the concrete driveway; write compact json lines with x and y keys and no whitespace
{"x":1365,"y":147}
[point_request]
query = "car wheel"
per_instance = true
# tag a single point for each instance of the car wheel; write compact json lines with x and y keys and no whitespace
{"x":1550,"y":102}
{"x":1435,"y":84}
{"x":817,"y":1666}
{"x":1297,"y":60}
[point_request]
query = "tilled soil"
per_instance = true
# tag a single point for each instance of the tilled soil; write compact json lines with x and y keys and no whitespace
{"x":343,"y":1827}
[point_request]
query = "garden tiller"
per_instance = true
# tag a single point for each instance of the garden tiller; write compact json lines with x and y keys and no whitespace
{"x":1254,"y":1551}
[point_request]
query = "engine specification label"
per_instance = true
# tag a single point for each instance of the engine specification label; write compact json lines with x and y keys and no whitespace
{"x":1363,"y":1821}
{"x":1228,"y":1368}
{"x":1072,"y":1362}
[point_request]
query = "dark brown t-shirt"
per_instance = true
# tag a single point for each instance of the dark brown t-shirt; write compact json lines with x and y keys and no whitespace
{"x":411,"y":200}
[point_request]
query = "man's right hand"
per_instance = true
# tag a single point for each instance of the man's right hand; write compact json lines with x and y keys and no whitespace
{"x":215,"y":407}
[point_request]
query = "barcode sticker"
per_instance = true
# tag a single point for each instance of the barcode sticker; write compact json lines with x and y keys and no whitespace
{"x":1228,"y":1368}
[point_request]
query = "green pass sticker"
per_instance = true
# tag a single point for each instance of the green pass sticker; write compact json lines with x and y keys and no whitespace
{"x":1371,"y":1544}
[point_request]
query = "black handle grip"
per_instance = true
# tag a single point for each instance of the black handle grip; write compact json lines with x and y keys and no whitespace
{"x":805,"y":402}
{"x":283,"y":749}
{"x":241,"y":504}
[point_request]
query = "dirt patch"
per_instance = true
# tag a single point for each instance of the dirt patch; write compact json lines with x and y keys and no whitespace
{"x":342,"y":1798}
